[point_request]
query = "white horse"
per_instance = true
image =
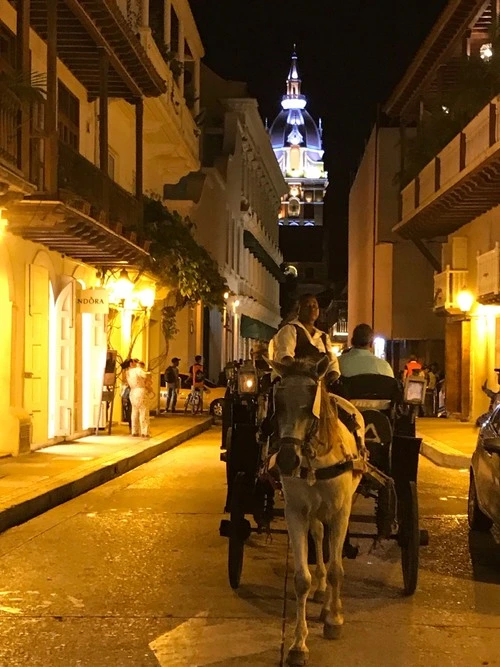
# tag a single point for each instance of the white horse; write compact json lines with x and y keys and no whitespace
{"x":319,"y":480}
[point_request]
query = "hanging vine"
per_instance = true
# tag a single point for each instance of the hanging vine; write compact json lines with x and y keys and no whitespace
{"x":180,"y":263}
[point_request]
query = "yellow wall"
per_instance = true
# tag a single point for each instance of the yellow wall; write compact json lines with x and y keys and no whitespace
{"x":482,"y":234}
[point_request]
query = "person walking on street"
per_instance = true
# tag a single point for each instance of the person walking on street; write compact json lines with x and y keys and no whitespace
{"x":197,"y":376}
{"x":412,"y":365}
{"x":172,"y":380}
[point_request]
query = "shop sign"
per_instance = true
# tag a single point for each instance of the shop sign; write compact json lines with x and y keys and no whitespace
{"x":93,"y":301}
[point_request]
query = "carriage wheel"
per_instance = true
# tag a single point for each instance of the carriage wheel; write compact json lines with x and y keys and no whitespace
{"x":239,"y":531}
{"x":409,"y":537}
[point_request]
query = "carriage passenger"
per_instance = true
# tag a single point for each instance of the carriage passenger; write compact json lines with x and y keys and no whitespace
{"x":360,"y":360}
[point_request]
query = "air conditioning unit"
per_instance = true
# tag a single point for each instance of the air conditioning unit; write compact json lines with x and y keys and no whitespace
{"x":488,"y":276}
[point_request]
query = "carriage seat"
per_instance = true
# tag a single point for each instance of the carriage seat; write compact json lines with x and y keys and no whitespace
{"x":375,"y":396}
{"x":371,"y":391}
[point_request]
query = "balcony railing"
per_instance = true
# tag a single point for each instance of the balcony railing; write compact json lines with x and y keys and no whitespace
{"x":172,"y":100}
{"x":10,"y":130}
{"x":340,"y":328}
{"x":488,"y":276}
{"x":447,"y":286}
{"x":84,"y":186}
{"x":477,"y":141}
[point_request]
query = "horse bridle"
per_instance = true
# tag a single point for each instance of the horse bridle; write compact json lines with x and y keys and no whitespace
{"x":288,"y":460}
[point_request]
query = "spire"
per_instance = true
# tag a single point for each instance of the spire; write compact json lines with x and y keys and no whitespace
{"x":293,"y":74}
{"x":293,"y":98}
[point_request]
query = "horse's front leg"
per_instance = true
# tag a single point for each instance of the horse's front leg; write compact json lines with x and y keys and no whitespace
{"x":318,"y":532}
{"x":331,"y":614}
{"x":297,"y":529}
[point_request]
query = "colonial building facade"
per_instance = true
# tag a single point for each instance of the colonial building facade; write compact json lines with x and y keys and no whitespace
{"x":116,"y":120}
{"x":233,"y":201}
{"x":298,"y":145}
{"x":382,"y":289}
{"x":451,"y":197}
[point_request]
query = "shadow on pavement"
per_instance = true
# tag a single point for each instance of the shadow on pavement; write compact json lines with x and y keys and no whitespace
{"x":484,"y":551}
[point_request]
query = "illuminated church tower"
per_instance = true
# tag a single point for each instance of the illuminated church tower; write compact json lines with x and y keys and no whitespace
{"x":297,"y":143}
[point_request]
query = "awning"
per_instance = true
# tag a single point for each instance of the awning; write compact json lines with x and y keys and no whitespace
{"x":250,"y":242}
{"x":250,"y":328}
{"x":70,"y":232}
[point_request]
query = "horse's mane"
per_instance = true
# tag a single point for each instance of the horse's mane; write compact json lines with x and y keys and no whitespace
{"x":329,"y":433}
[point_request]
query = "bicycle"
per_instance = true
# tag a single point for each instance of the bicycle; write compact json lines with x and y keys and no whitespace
{"x":194,"y":401}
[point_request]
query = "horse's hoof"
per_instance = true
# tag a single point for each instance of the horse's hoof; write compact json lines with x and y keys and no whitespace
{"x":332,"y":631}
{"x":296,"y":657}
{"x":323,"y":615}
{"x":319,"y":597}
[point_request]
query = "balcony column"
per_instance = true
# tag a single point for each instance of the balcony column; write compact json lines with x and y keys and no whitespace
{"x":145,"y":13}
{"x":139,"y":157}
{"x":103,"y":125}
{"x":196,"y":86}
{"x":167,"y":22}
{"x":51,"y":143}
{"x":23,"y":66}
{"x":180,"y":55}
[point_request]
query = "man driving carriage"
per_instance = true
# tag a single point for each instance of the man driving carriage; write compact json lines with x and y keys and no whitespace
{"x":300,"y":339}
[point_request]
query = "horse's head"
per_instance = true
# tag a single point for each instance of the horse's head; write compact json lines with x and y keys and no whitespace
{"x":295,"y":398}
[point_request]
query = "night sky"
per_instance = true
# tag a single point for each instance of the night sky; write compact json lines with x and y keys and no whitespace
{"x":351,"y":53}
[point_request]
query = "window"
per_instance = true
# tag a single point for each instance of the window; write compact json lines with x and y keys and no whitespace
{"x":68,"y":122}
{"x":293,"y":207}
{"x":309,"y":211}
{"x":294,"y":158}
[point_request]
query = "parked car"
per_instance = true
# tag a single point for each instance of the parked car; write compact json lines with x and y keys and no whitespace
{"x":484,"y":487}
{"x":213,"y":396}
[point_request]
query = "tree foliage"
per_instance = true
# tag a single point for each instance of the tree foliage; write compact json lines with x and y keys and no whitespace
{"x":180,"y":263}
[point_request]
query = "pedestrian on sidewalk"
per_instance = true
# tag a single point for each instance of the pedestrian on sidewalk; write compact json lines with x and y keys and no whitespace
{"x":140,"y":392}
{"x":173,"y":383}
{"x":125,"y":393}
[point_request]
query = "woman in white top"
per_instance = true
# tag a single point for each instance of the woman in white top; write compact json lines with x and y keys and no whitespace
{"x":140,"y":389}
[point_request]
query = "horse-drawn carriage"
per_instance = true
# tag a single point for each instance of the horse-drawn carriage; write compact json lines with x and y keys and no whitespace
{"x":388,"y":475}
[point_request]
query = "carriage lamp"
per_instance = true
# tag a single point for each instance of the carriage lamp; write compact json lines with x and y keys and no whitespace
{"x":247,"y":380}
{"x":229,"y":370}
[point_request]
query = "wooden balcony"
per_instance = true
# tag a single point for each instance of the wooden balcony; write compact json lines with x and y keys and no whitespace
{"x":447,"y":286}
{"x":91,"y":218}
{"x":461,"y":183}
{"x":84,"y":186}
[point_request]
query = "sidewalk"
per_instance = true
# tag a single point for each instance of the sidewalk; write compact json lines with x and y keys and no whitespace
{"x":447,"y":442}
{"x":33,"y":483}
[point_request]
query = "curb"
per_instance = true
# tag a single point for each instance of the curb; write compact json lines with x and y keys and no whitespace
{"x":67,"y":486}
{"x":443,"y":455}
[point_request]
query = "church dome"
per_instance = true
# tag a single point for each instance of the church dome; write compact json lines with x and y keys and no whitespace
{"x":284,"y":133}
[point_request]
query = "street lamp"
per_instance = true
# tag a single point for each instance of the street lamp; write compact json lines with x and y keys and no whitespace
{"x":3,"y":222}
{"x":465,"y":299}
{"x":124,"y":286}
